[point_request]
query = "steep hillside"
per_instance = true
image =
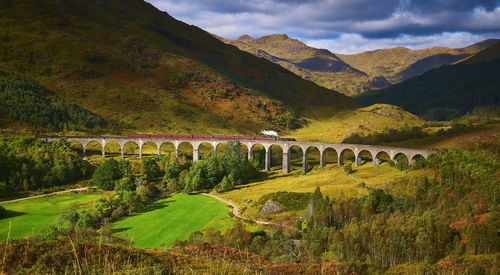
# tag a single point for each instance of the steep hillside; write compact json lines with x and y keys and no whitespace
{"x":128,"y":62}
{"x":400,"y":63}
{"x":449,"y":91}
{"x":318,"y":65}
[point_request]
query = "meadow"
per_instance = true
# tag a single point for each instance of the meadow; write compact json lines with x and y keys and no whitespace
{"x":171,"y":219}
{"x":29,"y":217}
{"x":332,"y":180}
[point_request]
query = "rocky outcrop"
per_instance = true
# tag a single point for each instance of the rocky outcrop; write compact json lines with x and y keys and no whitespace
{"x":271,"y":207}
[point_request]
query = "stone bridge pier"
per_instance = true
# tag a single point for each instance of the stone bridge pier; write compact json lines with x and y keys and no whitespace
{"x":355,"y":152}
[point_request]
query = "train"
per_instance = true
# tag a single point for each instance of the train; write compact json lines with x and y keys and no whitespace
{"x":213,"y":137}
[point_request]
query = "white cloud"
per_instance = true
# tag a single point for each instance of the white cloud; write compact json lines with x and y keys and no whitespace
{"x":349,"y":43}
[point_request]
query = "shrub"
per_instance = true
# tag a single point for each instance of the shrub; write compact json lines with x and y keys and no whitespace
{"x":151,"y":169}
{"x":2,"y":211}
{"x":125,"y":184}
{"x":348,"y":168}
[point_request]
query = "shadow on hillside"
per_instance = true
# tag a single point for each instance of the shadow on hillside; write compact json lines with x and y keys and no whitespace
{"x":152,"y":207}
{"x":122,"y":229}
{"x":10,"y":214}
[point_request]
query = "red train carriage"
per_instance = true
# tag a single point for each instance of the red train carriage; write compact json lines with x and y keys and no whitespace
{"x":210,"y":137}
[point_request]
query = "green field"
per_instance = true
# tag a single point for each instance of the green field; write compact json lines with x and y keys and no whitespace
{"x":172,"y":219}
{"x":30,"y":216}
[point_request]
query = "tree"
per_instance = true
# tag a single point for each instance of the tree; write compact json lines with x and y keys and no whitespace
{"x":106,"y":175}
{"x":172,"y":169}
{"x":151,"y":169}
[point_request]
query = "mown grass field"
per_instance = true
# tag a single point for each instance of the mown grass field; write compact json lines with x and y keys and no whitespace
{"x":28,"y":217}
{"x":331,"y":179}
{"x":171,"y":219}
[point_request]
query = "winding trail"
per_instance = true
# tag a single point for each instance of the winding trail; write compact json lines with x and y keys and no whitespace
{"x":46,"y":195}
{"x":235,"y":211}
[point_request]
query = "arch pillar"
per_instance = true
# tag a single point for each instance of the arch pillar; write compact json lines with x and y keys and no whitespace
{"x":159,"y":150}
{"x":305,"y":166}
{"x":376,"y":159}
{"x":84,"y":151}
{"x":249,"y":147}
{"x":140,"y":148}
{"x":357,"y":161}
{"x":322,"y":158}
{"x":196,"y":155}
{"x":286,"y":161}
{"x":103,"y":142}
{"x":268,"y":159}
{"x":340,"y":157}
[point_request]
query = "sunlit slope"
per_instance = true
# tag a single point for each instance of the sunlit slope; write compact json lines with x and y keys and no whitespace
{"x":400,"y":63}
{"x":366,"y":120}
{"x":128,"y":62}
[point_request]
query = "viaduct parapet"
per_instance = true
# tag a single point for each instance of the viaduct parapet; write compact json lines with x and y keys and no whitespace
{"x":339,"y":148}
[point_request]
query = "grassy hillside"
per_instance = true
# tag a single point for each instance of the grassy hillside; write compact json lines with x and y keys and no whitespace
{"x":29,"y":217}
{"x":400,"y":63}
{"x":128,"y":62}
{"x":318,"y":65}
{"x":448,"y":91}
{"x":171,"y":219}
{"x":365,"y":120}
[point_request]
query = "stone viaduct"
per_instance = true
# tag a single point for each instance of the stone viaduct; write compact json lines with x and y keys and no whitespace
{"x":339,"y":148}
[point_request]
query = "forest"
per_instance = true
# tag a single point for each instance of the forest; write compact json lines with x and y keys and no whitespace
{"x":25,"y":100}
{"x":30,"y":164}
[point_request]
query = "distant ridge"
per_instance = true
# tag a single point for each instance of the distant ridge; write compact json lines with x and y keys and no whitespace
{"x":352,"y":73}
{"x":448,"y":91}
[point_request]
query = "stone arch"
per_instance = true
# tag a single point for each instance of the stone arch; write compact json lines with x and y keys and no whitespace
{"x":168,"y":149}
{"x":363,"y":157}
{"x":131,"y":148}
{"x":258,"y":153}
{"x":93,"y":147}
{"x":401,"y":157}
{"x":346,"y":154}
{"x":415,"y":159}
{"x":329,"y":155}
{"x":244,"y":153}
{"x":220,"y":147}
{"x":312,"y":156}
{"x":149,"y":148}
{"x":295,"y":158}
{"x":186,"y":151}
{"x":77,"y":146}
{"x":380,"y":157}
{"x":274,"y":157}
{"x":113,"y":148}
{"x":205,"y":148}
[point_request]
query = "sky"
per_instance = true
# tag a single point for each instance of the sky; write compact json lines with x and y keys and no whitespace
{"x":346,"y":26}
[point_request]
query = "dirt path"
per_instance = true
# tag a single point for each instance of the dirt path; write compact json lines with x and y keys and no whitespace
{"x":46,"y":195}
{"x":238,"y":215}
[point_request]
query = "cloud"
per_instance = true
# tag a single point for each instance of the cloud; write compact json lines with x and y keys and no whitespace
{"x":332,"y":22}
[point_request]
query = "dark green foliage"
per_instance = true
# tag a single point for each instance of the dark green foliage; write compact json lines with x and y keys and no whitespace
{"x":290,"y":200}
{"x":445,"y":92}
{"x":208,"y":173}
{"x":2,"y":211}
{"x":172,"y":169}
{"x":30,"y":164}
{"x":105,"y":176}
{"x":25,"y":100}
{"x":151,"y":169}
{"x":388,"y":135}
{"x":125,"y":184}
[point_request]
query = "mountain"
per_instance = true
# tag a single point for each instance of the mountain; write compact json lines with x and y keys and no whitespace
{"x":139,"y":68}
{"x":318,"y":65}
{"x":447,"y":91}
{"x":400,"y":63}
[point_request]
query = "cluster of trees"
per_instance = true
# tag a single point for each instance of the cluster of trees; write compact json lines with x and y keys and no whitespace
{"x":221,"y":172}
{"x":387,"y":135}
{"x":30,"y":164}
{"x":452,"y":214}
{"x":25,"y":100}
